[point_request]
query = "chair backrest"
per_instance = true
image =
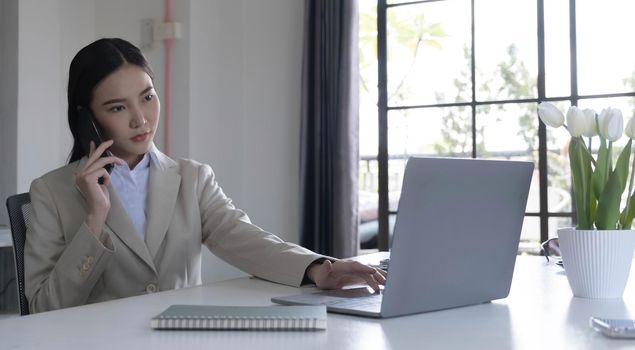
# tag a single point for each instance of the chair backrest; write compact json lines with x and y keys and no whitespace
{"x":19,"y":207}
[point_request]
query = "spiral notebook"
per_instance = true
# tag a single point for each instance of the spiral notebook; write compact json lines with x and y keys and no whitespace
{"x":212,"y":317}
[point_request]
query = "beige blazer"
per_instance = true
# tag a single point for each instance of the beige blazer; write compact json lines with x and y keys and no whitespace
{"x":66,"y":265}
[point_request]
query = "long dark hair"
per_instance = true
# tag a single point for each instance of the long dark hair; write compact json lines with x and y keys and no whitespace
{"x":90,"y":66}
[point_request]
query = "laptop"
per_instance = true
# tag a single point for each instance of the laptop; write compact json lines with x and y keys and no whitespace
{"x":454,"y":244}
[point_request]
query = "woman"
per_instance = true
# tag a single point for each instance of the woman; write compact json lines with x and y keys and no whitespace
{"x":142,"y":230}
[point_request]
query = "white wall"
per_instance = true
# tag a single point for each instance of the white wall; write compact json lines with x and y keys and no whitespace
{"x":8,"y":101}
{"x":40,"y":90}
{"x":245,"y":109}
{"x":245,"y":79}
{"x":236,"y":93}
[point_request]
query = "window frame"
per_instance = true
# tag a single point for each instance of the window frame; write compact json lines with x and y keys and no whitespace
{"x":383,"y":243}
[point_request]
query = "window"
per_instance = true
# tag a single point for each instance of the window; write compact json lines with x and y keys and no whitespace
{"x":463,"y":78}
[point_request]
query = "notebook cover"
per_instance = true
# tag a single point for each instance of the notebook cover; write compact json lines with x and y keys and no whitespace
{"x":311,"y":317}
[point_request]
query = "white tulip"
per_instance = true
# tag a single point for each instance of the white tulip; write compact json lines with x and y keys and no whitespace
{"x":630,"y":128}
{"x":590,"y":129}
{"x":611,"y":124}
{"x":575,"y":121}
{"x":550,"y":115}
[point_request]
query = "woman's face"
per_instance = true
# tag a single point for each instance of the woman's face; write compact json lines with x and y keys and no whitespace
{"x":127,"y":109}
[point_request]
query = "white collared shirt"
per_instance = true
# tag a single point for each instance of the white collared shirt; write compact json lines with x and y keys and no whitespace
{"x":132,"y":189}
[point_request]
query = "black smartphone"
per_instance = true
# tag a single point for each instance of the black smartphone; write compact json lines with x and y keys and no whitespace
{"x":89,"y":131}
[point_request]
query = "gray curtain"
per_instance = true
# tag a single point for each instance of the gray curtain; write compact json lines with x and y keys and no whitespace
{"x":329,"y":145}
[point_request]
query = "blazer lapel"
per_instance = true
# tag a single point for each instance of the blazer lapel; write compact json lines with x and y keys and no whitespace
{"x":163,"y":190}
{"x":119,"y":222}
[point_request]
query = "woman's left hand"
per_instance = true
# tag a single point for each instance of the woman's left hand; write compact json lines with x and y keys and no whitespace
{"x":336,"y":275}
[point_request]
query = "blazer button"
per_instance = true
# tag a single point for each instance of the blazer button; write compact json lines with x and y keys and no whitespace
{"x":151,"y":288}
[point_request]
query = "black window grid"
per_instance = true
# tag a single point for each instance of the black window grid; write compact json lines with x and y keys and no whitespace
{"x":384,"y":108}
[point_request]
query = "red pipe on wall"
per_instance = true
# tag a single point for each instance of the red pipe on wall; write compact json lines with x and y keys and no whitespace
{"x":167,"y":99}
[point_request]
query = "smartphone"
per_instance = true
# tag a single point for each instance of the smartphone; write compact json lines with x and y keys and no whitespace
{"x":90,"y":131}
{"x":614,"y":328}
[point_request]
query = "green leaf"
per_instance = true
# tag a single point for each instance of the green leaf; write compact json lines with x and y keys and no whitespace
{"x":621,"y":167}
{"x":594,"y":196}
{"x":593,"y":204}
{"x":581,"y":170}
{"x":608,"y":211}
{"x":600,"y":174}
{"x":628,"y":216}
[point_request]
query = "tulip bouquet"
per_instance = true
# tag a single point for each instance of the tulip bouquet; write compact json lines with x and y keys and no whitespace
{"x":598,"y":185}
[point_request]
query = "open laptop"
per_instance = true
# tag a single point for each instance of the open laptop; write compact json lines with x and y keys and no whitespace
{"x":454,"y":244}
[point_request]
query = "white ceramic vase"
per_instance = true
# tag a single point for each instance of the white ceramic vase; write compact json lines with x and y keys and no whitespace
{"x":597,"y":262}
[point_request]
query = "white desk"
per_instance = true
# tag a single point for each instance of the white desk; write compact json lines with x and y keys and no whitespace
{"x":540,"y":313}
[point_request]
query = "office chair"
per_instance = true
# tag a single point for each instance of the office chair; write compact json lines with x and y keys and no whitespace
{"x":19,"y":207}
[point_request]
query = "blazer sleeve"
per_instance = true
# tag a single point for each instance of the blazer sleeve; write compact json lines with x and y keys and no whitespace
{"x":229,"y":234}
{"x":60,"y":273}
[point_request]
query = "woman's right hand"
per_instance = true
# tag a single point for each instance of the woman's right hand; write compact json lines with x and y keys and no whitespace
{"x":96,"y":196}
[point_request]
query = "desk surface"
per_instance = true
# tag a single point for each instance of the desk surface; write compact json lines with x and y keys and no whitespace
{"x":540,"y":313}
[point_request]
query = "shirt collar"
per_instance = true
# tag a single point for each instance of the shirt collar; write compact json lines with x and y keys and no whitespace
{"x":154,"y":157}
{"x":149,"y":156}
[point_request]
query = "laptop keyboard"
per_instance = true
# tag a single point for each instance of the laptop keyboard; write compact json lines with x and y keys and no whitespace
{"x":357,"y":298}
{"x":355,"y":303}
{"x":383,"y":264}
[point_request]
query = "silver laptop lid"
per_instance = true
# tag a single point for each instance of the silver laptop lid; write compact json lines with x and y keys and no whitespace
{"x":457,"y":233}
